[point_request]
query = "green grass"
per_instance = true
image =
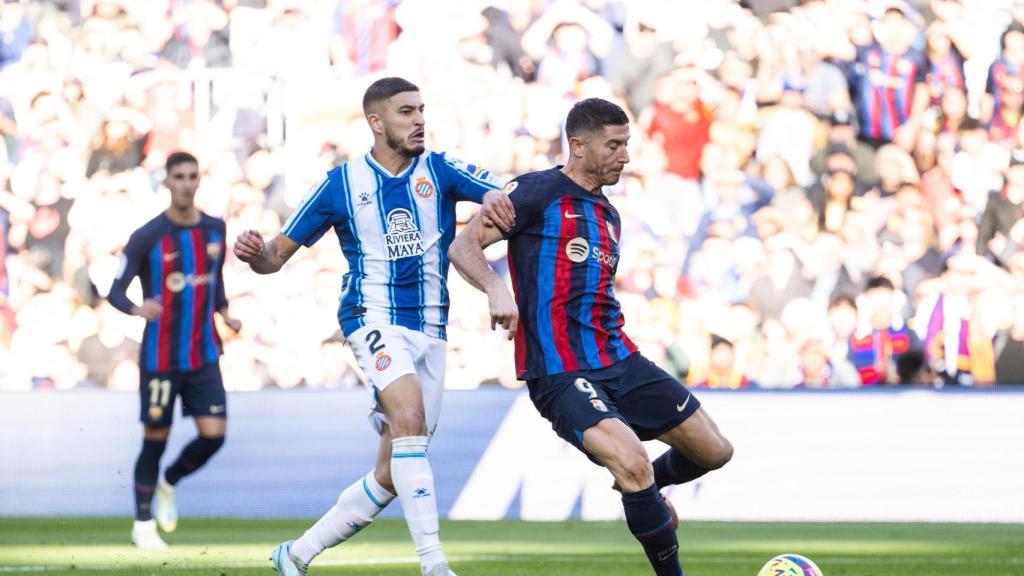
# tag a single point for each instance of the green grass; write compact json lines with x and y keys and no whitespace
{"x":83,"y":547}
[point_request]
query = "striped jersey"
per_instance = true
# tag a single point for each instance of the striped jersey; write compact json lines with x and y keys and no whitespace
{"x":183,"y":268}
{"x":1000,"y":73}
{"x":394,"y":231}
{"x":882,"y":86}
{"x":563,"y":253}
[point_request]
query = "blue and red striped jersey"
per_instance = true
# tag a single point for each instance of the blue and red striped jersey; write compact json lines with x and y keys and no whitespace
{"x":882,"y":86}
{"x":945,"y":73}
{"x":183,"y":268}
{"x":563,"y":253}
{"x":4,"y":221}
{"x":998,"y":73}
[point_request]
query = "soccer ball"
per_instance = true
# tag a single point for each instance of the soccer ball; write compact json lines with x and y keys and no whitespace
{"x":789,"y":565}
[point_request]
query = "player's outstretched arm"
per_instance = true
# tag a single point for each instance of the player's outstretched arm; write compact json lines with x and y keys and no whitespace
{"x":264,"y":257}
{"x":467,"y":254}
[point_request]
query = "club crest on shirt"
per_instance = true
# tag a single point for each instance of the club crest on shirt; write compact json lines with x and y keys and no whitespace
{"x":403,"y":238}
{"x":424,"y":189}
{"x":611,"y":231}
{"x":213,"y":250}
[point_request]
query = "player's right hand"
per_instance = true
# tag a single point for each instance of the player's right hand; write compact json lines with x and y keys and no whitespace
{"x":249,"y":246}
{"x":504,"y":311}
{"x":150,"y":309}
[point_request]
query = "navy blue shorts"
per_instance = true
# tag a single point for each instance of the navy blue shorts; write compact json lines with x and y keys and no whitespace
{"x":633,"y":390}
{"x":202,"y":394}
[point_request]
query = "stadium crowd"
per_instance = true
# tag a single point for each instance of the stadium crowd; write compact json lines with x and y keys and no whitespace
{"x":822,"y":193}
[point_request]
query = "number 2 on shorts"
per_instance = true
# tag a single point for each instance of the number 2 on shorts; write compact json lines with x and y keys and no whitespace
{"x":373,"y":339}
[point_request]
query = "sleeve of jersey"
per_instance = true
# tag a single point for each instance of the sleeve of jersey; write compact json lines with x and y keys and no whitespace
{"x":221,"y":301}
{"x":921,"y":75}
{"x":529,"y":204}
{"x":468,"y":181}
{"x":314,"y":215}
{"x":131,"y":263}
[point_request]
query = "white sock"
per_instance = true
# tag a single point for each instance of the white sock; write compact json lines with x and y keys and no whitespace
{"x":414,"y":482}
{"x":356,"y":508}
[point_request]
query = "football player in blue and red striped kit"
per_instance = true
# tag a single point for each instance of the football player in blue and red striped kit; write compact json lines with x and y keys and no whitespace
{"x":887,"y":84}
{"x":584,"y":374}
{"x":179,"y":259}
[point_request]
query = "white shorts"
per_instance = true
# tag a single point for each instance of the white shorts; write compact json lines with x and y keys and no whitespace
{"x":385,"y":353}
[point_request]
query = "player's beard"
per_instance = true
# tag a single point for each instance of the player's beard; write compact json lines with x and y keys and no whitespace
{"x":399,"y":145}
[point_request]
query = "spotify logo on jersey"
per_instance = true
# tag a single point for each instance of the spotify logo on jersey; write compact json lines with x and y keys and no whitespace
{"x":577,"y":249}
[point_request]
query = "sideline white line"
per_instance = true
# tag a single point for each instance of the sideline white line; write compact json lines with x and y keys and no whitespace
{"x":822,"y":560}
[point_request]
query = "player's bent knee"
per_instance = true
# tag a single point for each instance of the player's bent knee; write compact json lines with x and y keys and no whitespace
{"x":633,"y":472}
{"x":211,"y":444}
{"x":721,"y":455}
{"x":408,"y":423}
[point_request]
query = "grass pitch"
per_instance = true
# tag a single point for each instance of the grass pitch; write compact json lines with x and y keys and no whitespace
{"x":214,"y":547}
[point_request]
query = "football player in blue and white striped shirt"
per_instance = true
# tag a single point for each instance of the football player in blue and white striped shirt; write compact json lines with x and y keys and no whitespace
{"x":393,"y":210}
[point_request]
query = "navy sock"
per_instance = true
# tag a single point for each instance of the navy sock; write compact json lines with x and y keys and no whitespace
{"x":673,"y":468}
{"x":193,"y":457}
{"x":648,"y":519}
{"x":147,"y":468}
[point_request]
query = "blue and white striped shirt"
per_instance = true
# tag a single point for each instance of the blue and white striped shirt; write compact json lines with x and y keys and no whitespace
{"x":394,"y":231}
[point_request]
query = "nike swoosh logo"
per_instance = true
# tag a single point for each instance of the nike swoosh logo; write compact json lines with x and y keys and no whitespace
{"x":217,"y":409}
{"x":571,"y":215}
{"x":681,"y":407}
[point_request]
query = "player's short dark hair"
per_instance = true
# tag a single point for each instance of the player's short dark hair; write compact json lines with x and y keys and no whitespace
{"x":179,"y":157}
{"x":910,"y":364}
{"x":843,"y":300}
{"x":969,"y":124}
{"x":386,"y":88}
{"x":717,"y":341}
{"x":879,"y":282}
{"x":592,"y":115}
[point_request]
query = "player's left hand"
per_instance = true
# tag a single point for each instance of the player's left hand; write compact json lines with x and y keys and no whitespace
{"x":498,"y":211}
{"x":234,"y":323}
{"x":504,"y":311}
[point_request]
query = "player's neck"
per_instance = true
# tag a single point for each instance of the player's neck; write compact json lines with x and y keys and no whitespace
{"x":586,"y":181}
{"x":390,"y":160}
{"x":183,"y":217}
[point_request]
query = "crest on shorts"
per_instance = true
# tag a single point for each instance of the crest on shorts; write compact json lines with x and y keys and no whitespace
{"x":156,"y":412}
{"x":598,"y":405}
{"x":382,"y":362}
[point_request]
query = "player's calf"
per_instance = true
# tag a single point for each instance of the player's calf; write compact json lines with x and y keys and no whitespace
{"x":356,"y":508}
{"x":147,"y":469}
{"x":650,"y":521}
{"x":192,"y":457}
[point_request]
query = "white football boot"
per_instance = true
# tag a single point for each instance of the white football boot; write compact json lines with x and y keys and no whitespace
{"x":284,"y":563}
{"x":441,"y":569}
{"x":166,"y":511}
{"x":145,"y":536}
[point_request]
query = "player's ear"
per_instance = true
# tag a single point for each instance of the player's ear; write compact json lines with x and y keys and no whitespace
{"x":576,"y":146}
{"x":375,"y":121}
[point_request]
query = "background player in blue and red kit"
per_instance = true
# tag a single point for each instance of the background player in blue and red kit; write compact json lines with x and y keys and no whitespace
{"x":393,"y":210}
{"x":584,"y":374}
{"x":887,"y":83}
{"x":179,"y":258}
{"x":1001,"y":100}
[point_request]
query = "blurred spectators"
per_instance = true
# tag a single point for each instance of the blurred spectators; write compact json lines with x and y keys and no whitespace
{"x":823,"y":193}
